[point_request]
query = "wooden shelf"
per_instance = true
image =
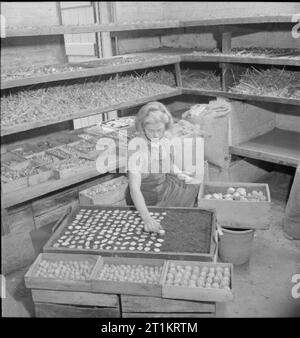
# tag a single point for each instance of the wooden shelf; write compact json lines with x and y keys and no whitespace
{"x":27,"y":194}
{"x":80,"y":114}
{"x":189,"y":55}
{"x":244,"y":97}
{"x":282,"y":61}
{"x":277,"y":146}
{"x":147,"y":25}
{"x":91,"y":71}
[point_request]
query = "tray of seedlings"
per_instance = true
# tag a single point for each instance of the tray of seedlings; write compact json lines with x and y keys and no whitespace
{"x":189,"y":233}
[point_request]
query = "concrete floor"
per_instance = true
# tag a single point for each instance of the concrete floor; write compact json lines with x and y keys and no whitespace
{"x":262,"y":287}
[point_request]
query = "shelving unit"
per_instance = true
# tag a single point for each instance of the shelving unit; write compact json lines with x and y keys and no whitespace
{"x":94,"y":68}
{"x":283,"y":150}
{"x":277,"y":146}
{"x":31,"y":125}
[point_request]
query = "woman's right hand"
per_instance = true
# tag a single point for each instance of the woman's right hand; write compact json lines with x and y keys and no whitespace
{"x":151,"y":225}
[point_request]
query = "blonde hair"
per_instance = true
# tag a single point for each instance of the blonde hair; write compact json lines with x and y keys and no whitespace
{"x":153,"y":112}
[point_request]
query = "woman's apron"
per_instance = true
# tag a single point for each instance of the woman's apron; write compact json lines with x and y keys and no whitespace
{"x":166,"y":190}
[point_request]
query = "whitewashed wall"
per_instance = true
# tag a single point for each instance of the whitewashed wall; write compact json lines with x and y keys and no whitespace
{"x":25,"y":51}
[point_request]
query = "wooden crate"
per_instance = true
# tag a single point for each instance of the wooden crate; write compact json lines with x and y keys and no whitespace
{"x":237,"y":214}
{"x":33,"y":282}
{"x":92,"y":155}
{"x":9,"y":186}
{"x":70,"y":304}
{"x":90,"y":171}
{"x":45,"y":174}
{"x":9,"y":159}
{"x":41,"y":153}
{"x":197,"y":293}
{"x":23,"y":149}
{"x":157,"y":307}
{"x":72,"y":151}
{"x":208,"y":237}
{"x":111,"y":196}
{"x":127,"y":288}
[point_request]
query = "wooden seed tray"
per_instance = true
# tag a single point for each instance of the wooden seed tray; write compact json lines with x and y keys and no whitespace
{"x":33,"y":282}
{"x":197,"y":293}
{"x":87,"y":197}
{"x":237,"y":214}
{"x":9,"y":159}
{"x":189,"y":234}
{"x":127,"y":288}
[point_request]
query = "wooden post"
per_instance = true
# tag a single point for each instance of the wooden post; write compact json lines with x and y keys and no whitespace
{"x":178,"y":75}
{"x":4,"y":222}
{"x":227,"y":79}
{"x":103,"y":16}
{"x":61,"y":37}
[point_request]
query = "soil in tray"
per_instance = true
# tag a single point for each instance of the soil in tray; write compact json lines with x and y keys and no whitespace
{"x":122,"y":229}
{"x":187,"y":231}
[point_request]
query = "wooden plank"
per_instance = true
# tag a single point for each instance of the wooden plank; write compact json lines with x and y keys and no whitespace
{"x":20,"y":219}
{"x":92,"y":28}
{"x":227,"y":78}
{"x":80,"y":114}
{"x":178,"y":75}
{"x":284,"y":61}
{"x":91,"y":71}
{"x":4,"y":222}
{"x":75,"y":298}
{"x":53,"y":215}
{"x":239,"y":20}
{"x":44,"y":205}
{"x":48,"y":310}
{"x":13,"y":198}
{"x":277,"y":146}
{"x":76,"y":48}
{"x":140,"y":304}
{"x":244,"y":97}
{"x":115,"y":27}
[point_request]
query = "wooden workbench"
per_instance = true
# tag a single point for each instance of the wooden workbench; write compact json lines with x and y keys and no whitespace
{"x":54,"y":303}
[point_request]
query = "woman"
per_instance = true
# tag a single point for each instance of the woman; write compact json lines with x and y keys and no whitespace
{"x":154,"y":123}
